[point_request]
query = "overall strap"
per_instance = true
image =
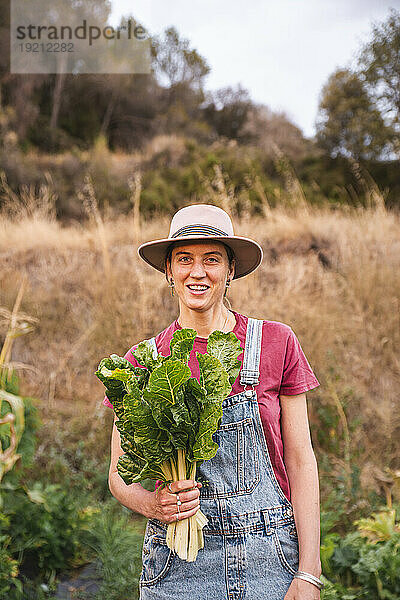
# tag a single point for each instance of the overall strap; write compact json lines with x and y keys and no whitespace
{"x":152,"y":342}
{"x":251,"y":361}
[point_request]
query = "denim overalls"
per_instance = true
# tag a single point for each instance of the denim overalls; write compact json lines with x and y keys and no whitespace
{"x":250,"y":542}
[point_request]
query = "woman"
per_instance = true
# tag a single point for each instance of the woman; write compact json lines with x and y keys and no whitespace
{"x":262,"y":537}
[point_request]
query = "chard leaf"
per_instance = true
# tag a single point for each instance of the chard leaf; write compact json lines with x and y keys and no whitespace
{"x":118,"y":407}
{"x":144,"y":355}
{"x":119,"y":362}
{"x":165,"y":397}
{"x":195,"y":397}
{"x":213,"y":378}
{"x":130,"y":466}
{"x":226,"y":348}
{"x":127,"y":443}
{"x":115,"y":384}
{"x":204,"y":447}
{"x":134,"y":468}
{"x":118,"y":374}
{"x":182,"y":344}
{"x":165,"y":381}
{"x":142,"y":376}
{"x":153,"y":442}
{"x":161,"y":408}
{"x":162,"y":417}
{"x":182,"y":427}
{"x":115,"y":387}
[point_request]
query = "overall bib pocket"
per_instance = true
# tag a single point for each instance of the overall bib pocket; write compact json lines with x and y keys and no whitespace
{"x":234,"y":470}
{"x":287,"y":547}
{"x":156,"y":556}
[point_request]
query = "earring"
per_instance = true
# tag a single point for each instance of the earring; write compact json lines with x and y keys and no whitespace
{"x":171,"y":285}
{"x":228,"y":283}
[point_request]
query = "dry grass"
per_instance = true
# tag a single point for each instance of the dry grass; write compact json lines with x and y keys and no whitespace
{"x":332,"y":275}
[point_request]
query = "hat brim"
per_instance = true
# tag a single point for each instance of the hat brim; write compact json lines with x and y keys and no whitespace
{"x":248,"y":253}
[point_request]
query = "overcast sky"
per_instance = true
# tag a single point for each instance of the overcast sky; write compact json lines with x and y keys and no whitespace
{"x":282,"y":51}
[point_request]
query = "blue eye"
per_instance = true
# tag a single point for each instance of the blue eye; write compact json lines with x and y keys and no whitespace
{"x":185,"y":258}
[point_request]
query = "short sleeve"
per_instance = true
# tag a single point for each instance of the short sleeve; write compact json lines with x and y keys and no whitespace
{"x":297,"y":376}
{"x":106,"y":402}
{"x":129,"y":356}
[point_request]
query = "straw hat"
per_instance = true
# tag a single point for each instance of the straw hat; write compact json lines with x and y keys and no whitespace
{"x":209,"y":223}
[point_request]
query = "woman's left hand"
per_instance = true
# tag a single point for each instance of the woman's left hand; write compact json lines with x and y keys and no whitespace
{"x":302,"y":590}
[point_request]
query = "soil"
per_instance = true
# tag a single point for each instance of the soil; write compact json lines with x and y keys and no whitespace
{"x":84,"y":583}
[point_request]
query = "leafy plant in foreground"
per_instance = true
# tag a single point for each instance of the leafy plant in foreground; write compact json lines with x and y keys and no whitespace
{"x":366,"y":561}
{"x":167,"y":418}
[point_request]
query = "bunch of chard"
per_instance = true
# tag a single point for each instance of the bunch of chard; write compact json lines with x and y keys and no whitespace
{"x":167,"y":418}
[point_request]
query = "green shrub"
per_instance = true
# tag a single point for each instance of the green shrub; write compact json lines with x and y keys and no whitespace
{"x":40,"y":523}
{"x":9,"y":584}
{"x":116,"y":541}
{"x":366,"y":562}
{"x":46,"y":531}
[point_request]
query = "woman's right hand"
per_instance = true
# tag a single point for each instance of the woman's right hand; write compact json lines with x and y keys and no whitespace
{"x":165,"y":506}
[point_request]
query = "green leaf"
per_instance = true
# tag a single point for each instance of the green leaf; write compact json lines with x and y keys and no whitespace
{"x":165,"y":381}
{"x":204,"y":447}
{"x":213,"y":378}
{"x":153,"y":442}
{"x":142,"y":376}
{"x":144,"y":355}
{"x":130,"y":467}
{"x":195,"y":397}
{"x":182,"y":344}
{"x":114,"y":385}
{"x":118,"y":374}
{"x":36,"y":496}
{"x":165,"y":397}
{"x":161,"y":408}
{"x":226,"y":348}
{"x":134,"y":468}
{"x":182,"y":428}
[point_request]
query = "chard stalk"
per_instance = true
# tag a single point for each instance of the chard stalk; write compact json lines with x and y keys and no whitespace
{"x":182,"y":527}
{"x":184,"y":537}
{"x":174,"y":470}
{"x":172,"y":526}
{"x":193,"y":545}
{"x":167,"y":470}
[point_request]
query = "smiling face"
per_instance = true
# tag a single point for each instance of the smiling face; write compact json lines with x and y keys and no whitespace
{"x":200,"y":271}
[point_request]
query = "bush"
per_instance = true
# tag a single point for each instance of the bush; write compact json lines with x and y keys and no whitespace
{"x":365,"y":561}
{"x":9,"y":584}
{"x":116,"y":541}
{"x":46,"y":525}
{"x":40,"y":523}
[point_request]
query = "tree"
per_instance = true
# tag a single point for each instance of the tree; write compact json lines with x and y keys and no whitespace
{"x":4,"y":44}
{"x":88,"y":9}
{"x":16,"y":91}
{"x":268,"y":129}
{"x":349,"y":123}
{"x":379,"y":64}
{"x":183,"y":70}
{"x":175,"y":60}
{"x":227,"y":112}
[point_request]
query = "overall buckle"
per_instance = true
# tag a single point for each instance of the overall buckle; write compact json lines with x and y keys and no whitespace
{"x":249,"y":393}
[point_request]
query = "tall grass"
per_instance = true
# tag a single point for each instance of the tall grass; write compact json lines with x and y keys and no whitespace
{"x":332,"y":275}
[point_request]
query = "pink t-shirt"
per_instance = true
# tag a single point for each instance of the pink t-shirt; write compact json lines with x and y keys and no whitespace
{"x":284,"y":369}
